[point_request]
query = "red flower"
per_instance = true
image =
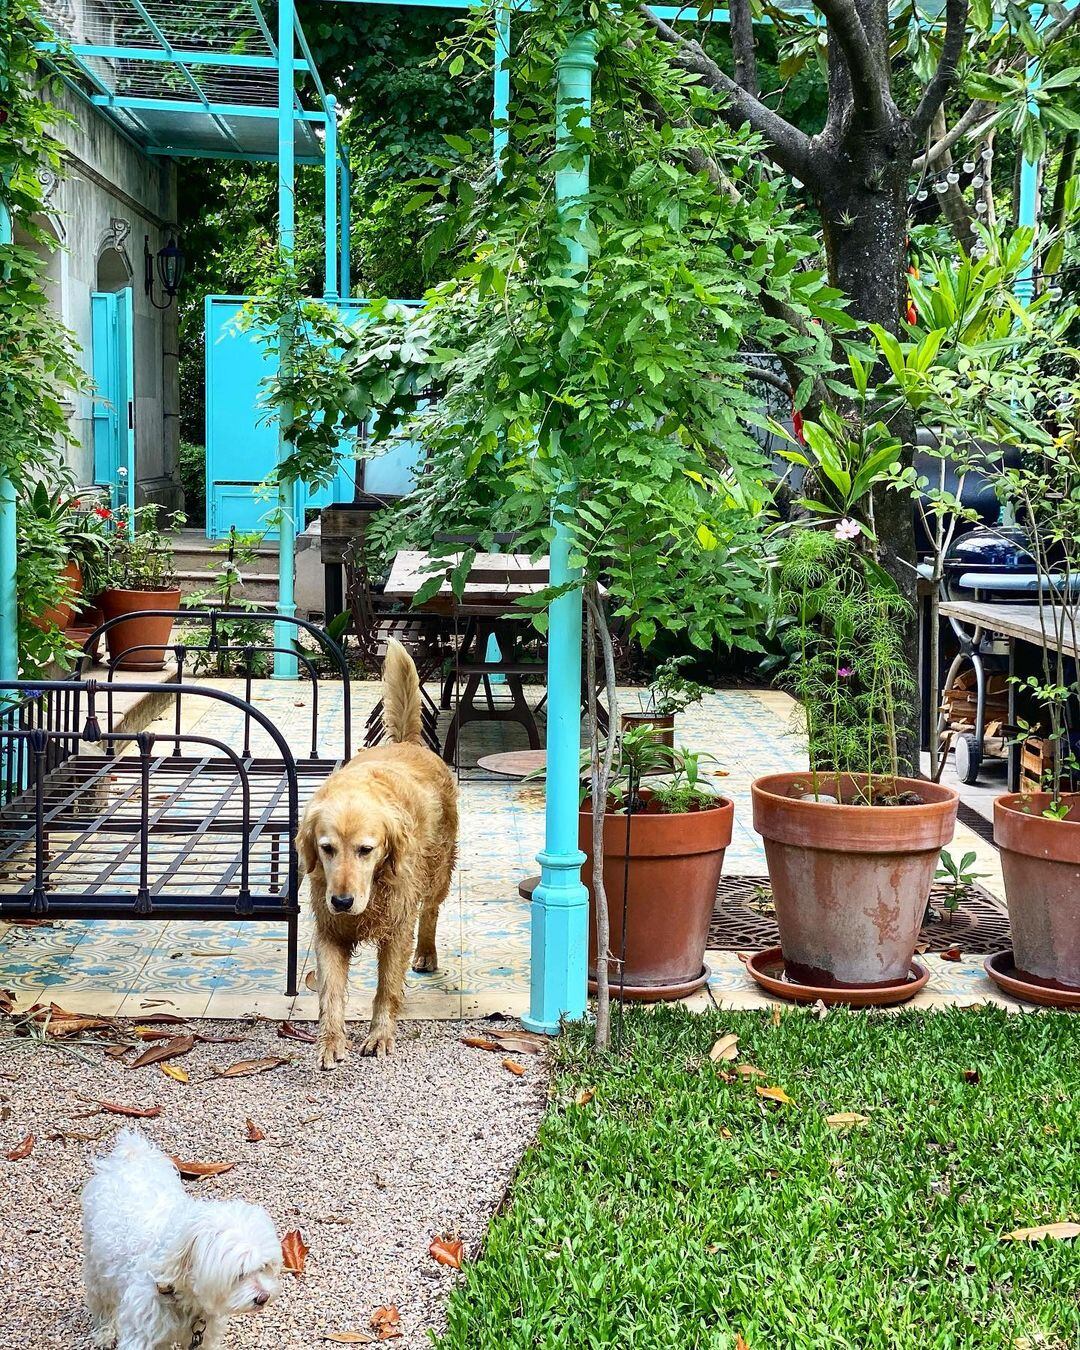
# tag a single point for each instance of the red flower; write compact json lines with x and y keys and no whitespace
{"x":102,"y":513}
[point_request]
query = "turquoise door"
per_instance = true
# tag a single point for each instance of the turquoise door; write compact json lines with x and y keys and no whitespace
{"x":113,"y":370}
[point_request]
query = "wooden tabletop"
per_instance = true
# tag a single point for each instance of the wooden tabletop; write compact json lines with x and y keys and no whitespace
{"x":514,"y":763}
{"x":412,"y":567}
{"x":1016,"y":621}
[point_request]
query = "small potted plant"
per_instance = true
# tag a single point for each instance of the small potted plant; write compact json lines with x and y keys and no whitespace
{"x":137,"y":576}
{"x":663,"y":851}
{"x":670,"y":692}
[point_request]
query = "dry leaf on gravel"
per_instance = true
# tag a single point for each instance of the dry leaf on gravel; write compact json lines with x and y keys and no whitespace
{"x":294,"y":1251}
{"x":520,"y":1042}
{"x":749,"y":1071}
{"x":349,"y":1338}
{"x":221,"y":1040}
{"x":774,"y":1094}
{"x":289,"y":1031}
{"x":310,"y":982}
{"x":447,"y":1251}
{"x":118,"y":1109}
{"x":386,"y":1322}
{"x":74,"y":1136}
{"x":153,"y":1033}
{"x":196,"y":1171}
{"x":7,"y":1001}
{"x":254,"y":1134}
{"x":175,"y":1072}
{"x":161,"y":1019}
{"x":479,"y":1043}
{"x":585,"y":1096}
{"x":727,"y":1047}
{"x":244,"y":1067}
{"x":175,"y":1045}
{"x":1062,"y":1232}
{"x":512,"y":1066}
{"x":58,"y":1023}
{"x":22,"y":1150}
{"x":953,"y":954}
{"x":846,"y":1120}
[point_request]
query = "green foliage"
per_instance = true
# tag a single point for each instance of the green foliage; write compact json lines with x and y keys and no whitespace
{"x":191,"y":469}
{"x":670,"y":690}
{"x":242,"y":636}
{"x":139,"y":562}
{"x":677,"y":1209}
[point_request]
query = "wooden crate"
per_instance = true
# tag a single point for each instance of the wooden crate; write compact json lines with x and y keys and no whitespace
{"x":1036,"y":764}
{"x":959,"y":701}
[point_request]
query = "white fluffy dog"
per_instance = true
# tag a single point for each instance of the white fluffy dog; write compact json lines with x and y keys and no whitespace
{"x":162,"y":1268}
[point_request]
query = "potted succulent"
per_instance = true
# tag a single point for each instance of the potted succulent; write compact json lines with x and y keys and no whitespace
{"x":663,"y":851}
{"x":137,"y":575}
{"x":1038,"y":833}
{"x":670,"y":692}
{"x":853,"y":844}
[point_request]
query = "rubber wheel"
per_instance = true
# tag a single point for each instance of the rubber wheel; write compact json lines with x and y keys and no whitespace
{"x":967,"y":759}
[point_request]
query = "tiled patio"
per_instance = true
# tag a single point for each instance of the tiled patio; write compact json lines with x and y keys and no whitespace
{"x":226,"y":969}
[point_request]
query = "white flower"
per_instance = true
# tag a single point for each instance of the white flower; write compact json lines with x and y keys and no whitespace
{"x":847,"y":529}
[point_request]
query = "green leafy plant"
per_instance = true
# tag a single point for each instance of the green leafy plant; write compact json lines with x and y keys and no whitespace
{"x":955,"y":879}
{"x":670,"y":691}
{"x":245,"y":635}
{"x":142,"y":561}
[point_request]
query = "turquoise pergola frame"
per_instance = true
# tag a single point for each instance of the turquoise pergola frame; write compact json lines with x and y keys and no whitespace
{"x":222,"y":128}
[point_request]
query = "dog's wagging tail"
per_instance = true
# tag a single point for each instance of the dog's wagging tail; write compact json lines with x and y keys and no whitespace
{"x":401,"y":695}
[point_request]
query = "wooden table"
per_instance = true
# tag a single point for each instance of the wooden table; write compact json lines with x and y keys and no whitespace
{"x":1016,"y":623}
{"x":411,"y":568}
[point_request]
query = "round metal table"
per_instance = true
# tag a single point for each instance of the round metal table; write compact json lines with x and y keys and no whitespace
{"x":514,"y":763}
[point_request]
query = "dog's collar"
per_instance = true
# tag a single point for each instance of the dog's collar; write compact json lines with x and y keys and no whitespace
{"x":198,"y":1327}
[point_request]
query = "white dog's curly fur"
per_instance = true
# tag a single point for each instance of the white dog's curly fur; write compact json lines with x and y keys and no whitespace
{"x":161,"y":1268}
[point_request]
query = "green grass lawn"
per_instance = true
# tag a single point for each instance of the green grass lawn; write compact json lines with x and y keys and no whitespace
{"x":677,"y":1209}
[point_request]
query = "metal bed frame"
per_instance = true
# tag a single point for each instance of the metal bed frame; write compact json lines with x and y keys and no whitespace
{"x":101,"y":823}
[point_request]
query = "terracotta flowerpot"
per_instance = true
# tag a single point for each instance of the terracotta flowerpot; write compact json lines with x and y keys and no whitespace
{"x":663,"y":722}
{"x":670,"y":885}
{"x":61,"y":614}
{"x":1040,"y":860}
{"x":148,"y":633}
{"x":850,"y":883}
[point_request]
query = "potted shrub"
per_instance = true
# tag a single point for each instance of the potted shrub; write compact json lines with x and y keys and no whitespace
{"x":663,"y":851}
{"x":138,"y":576}
{"x":853,"y":844}
{"x":670,"y":692}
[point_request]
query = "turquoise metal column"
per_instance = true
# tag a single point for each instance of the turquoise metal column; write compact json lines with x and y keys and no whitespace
{"x":330,"y":199}
{"x":346,"y":226}
{"x":560,"y":904}
{"x":285,"y":664}
{"x":9,"y":554}
{"x":1027,"y":212}
{"x":502,"y":82}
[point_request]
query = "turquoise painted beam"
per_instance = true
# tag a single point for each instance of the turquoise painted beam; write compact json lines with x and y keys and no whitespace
{"x":330,"y":201}
{"x":560,"y":905}
{"x":176,"y":55}
{"x":285,"y":663}
{"x":9,"y":552}
{"x":247,"y":156}
{"x":346,"y":227}
{"x":500,"y":110}
{"x":180,"y":105}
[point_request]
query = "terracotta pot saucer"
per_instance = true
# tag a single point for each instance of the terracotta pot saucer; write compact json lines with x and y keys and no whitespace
{"x":768,"y":969}
{"x":654,"y":993}
{"x":1001,"y":970}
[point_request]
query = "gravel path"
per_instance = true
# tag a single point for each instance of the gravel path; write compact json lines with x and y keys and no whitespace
{"x":370,"y":1163}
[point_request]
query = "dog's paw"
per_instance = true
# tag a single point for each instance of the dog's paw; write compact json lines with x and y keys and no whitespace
{"x":379,"y":1043}
{"x":333,"y":1050}
{"x":426,"y":961}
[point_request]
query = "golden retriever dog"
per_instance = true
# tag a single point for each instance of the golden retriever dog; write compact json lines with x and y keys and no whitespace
{"x":378,"y":841}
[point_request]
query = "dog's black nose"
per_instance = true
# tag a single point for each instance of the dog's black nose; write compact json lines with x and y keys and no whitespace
{"x":260,"y":1300}
{"x":341,"y":902}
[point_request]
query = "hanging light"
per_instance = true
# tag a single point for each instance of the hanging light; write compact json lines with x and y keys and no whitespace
{"x":170,"y":262}
{"x":921,"y":195}
{"x":978,"y":181}
{"x":980,"y":206}
{"x":941,"y":187}
{"x":969,"y":166}
{"x":952,"y":178}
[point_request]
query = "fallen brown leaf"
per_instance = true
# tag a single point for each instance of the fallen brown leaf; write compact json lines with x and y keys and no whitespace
{"x":7,"y":1001}
{"x":254,"y":1134}
{"x":153,"y":1033}
{"x":585,"y":1096}
{"x":75,"y":1136}
{"x":294,"y":1252}
{"x":289,"y":1031}
{"x":243,"y":1067}
{"x":479,"y":1043}
{"x":521,"y":1042}
{"x":310,"y":982}
{"x":117,"y":1109}
{"x":175,"y":1072}
{"x":1061,"y":1232}
{"x":846,"y":1120}
{"x":349,"y":1337}
{"x":386,"y":1322}
{"x":58,"y":1022}
{"x":175,"y":1045}
{"x":22,"y":1150}
{"x":774,"y":1094}
{"x":749,"y":1071}
{"x":740,"y":1344}
{"x":161,"y":1019}
{"x":774,"y":1017}
{"x":512,"y":1066}
{"x":971,"y":1075}
{"x":447,"y":1251}
{"x":726,"y":1048}
{"x":952,"y":954}
{"x":196,"y":1171}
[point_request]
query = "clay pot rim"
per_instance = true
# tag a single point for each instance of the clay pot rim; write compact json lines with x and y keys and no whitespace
{"x":1008,"y":802}
{"x":1033,"y":835}
{"x":721,"y":804}
{"x":941,"y":795}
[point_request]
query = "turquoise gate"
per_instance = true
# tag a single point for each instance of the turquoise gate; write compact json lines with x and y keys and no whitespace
{"x":242,"y":439}
{"x":113,"y":370}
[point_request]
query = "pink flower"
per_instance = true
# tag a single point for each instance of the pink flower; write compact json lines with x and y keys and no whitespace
{"x":845,"y":672}
{"x":847,"y":528}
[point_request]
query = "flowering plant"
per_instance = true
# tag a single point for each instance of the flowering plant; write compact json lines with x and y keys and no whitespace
{"x":139,"y":560}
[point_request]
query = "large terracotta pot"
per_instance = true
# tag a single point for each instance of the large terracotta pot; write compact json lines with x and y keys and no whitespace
{"x":850,"y":883}
{"x":670,"y":885}
{"x":1040,"y":861}
{"x":61,"y":614}
{"x":664,"y":724}
{"x":148,"y":632}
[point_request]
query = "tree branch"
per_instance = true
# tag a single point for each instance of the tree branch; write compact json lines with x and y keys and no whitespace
{"x":743,"y":47}
{"x":952,"y":47}
{"x":788,"y":147}
{"x":869,"y":82}
{"x":975,"y":113}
